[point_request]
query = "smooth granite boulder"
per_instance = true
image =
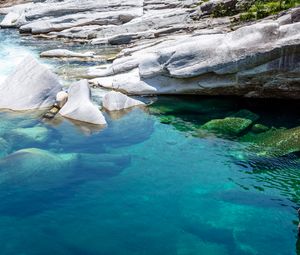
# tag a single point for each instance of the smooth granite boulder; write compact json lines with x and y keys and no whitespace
{"x":79,"y":105}
{"x":62,"y":53}
{"x":114,"y":101}
{"x":31,"y":86}
{"x":35,"y":169}
{"x":13,"y":19}
{"x":228,"y":125}
{"x":259,"y":128}
{"x":28,"y":137}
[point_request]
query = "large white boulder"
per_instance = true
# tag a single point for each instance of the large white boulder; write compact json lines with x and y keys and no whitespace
{"x":115,"y":101}
{"x":13,"y":19}
{"x":31,"y":86}
{"x":79,"y":105}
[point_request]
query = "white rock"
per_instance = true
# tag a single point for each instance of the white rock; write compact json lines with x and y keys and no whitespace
{"x":114,"y":101}
{"x":62,"y":53}
{"x":13,"y":19}
{"x":31,"y":86}
{"x":209,"y":63}
{"x":79,"y":105}
{"x":61,"y":96}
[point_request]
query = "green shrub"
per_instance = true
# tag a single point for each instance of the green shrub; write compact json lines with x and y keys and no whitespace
{"x":258,"y":10}
{"x":221,"y":10}
{"x":263,"y":8}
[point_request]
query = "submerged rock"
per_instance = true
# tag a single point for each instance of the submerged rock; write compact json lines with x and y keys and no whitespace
{"x":233,"y":125}
{"x":245,"y":114}
{"x":79,"y":105}
{"x":259,"y":128}
{"x":276,"y":142}
{"x":114,"y":101}
{"x":31,"y":86}
{"x":228,"y":126}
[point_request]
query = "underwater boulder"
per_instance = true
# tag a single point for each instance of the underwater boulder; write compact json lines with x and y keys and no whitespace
{"x":27,"y":136}
{"x":35,"y":169}
{"x":115,"y":101}
{"x":259,"y":128}
{"x":31,"y":86}
{"x":232,"y":125}
{"x":245,"y":114}
{"x":4,"y":147}
{"x":13,"y":19}
{"x":276,"y":142}
{"x":80,"y":107}
{"x":227,"y":126}
{"x":63,"y":53}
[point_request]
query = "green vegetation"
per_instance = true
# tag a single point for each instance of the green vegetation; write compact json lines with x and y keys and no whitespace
{"x":228,"y":126}
{"x":257,"y":10}
{"x":222,"y":10}
{"x":275,"y":142}
{"x":262,"y":8}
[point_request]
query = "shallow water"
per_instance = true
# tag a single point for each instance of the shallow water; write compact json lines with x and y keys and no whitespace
{"x":140,"y":186}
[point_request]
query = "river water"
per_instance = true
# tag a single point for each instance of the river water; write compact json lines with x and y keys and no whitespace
{"x":142,"y":185}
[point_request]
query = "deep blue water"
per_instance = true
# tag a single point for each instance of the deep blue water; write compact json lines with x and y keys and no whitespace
{"x":143,"y":187}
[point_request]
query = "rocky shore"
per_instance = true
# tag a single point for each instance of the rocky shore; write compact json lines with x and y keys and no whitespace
{"x":174,"y":47}
{"x":168,"y":47}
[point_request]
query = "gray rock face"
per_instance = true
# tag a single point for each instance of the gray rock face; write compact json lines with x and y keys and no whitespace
{"x":79,"y":106}
{"x":112,"y":20}
{"x":114,"y":101}
{"x":264,"y":57}
{"x":31,"y":86}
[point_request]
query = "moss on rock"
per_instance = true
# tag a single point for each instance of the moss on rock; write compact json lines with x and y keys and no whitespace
{"x":276,"y":142}
{"x":228,"y":126}
{"x":235,"y":124}
{"x":259,"y":128}
{"x":245,"y":114}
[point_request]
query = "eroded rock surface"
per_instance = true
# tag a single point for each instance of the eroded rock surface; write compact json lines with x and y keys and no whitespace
{"x":31,"y":86}
{"x":114,"y":101}
{"x":79,"y":105}
{"x":261,"y":60}
{"x":177,"y":47}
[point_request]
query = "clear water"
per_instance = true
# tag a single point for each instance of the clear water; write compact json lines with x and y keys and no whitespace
{"x":143,"y":187}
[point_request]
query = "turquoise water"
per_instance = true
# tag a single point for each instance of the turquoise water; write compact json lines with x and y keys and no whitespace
{"x":140,"y":186}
